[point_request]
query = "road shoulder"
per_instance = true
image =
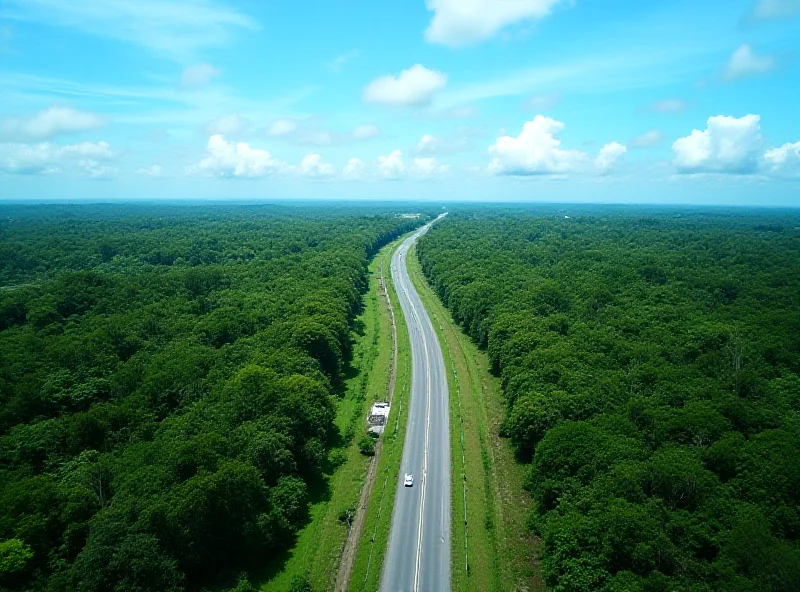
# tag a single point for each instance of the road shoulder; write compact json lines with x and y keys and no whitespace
{"x":491,"y":548}
{"x":318,"y":550}
{"x":372,"y":544}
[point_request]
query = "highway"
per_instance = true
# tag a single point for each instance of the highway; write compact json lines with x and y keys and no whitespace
{"x":418,"y":554}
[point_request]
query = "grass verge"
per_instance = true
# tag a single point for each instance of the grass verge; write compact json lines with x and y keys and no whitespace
{"x":319,"y":544}
{"x":491,"y":548}
{"x":372,"y":546}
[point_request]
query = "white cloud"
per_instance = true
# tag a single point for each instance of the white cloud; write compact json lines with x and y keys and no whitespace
{"x":425,"y":168}
{"x":744,"y":62}
{"x":282,"y":127}
{"x":238,"y":160}
{"x":337,"y":64}
{"x":178,"y":28}
{"x":775,"y":9}
{"x":668,"y":106}
{"x":96,"y":170}
{"x":414,"y":87}
{"x":392,"y":166}
{"x":536,"y":151}
{"x":432,"y":146}
{"x":354,"y":170}
{"x":647,"y":139}
{"x":94,"y":150}
{"x":49,"y":123}
{"x":152,"y":171}
{"x":365,"y":132}
{"x":727,"y":145}
{"x":228,"y":125}
{"x":609,"y":156}
{"x":784,"y":161}
{"x":198,"y":75}
{"x":461,"y":22}
{"x":47,"y":158}
{"x":543,"y":102}
{"x":427,"y":145}
{"x":313,"y":166}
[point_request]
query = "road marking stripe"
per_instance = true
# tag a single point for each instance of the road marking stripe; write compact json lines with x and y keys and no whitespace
{"x":401,"y":254}
{"x":421,"y":331}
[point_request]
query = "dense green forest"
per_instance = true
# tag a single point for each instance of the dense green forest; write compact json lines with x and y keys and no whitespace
{"x":168,"y":377}
{"x":650,"y":362}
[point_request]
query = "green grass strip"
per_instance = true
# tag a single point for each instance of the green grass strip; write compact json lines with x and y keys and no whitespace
{"x":319,"y":544}
{"x":372,"y":546}
{"x":492,"y":551}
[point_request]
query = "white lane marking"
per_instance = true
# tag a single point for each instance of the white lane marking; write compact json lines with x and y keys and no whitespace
{"x":394,"y":268}
{"x":420,"y":528}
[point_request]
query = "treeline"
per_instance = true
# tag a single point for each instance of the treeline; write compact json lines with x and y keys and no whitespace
{"x":167,"y":386}
{"x":650,"y":363}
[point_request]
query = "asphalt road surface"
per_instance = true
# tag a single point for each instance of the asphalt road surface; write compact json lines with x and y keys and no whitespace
{"x":418,"y":555}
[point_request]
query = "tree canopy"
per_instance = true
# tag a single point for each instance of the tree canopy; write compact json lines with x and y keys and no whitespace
{"x":168,"y":384}
{"x":650,"y":362}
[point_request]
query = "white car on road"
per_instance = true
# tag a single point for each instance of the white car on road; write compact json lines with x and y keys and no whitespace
{"x":409,"y":480}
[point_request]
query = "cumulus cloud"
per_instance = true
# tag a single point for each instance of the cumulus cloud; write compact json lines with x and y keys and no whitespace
{"x":668,"y":106}
{"x":199,"y":75}
{"x":425,"y":168}
{"x":235,"y":160}
{"x":744,"y":62}
{"x":313,"y":167}
{"x":96,"y":170}
{"x":536,"y":151}
{"x":428,"y":145}
{"x":354,"y":170}
{"x":784,"y":161}
{"x":728,"y":145}
{"x":47,"y":158}
{"x":414,"y":87}
{"x":228,"y":125}
{"x":647,"y":139}
{"x":775,"y":9}
{"x":391,"y":166}
{"x":462,"y":22}
{"x":432,"y":145}
{"x":50,"y":123}
{"x":609,"y":156}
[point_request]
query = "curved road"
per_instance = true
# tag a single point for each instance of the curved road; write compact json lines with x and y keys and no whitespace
{"x":418,"y":555}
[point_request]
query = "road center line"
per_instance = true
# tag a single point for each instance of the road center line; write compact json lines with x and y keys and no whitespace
{"x":427,"y":431}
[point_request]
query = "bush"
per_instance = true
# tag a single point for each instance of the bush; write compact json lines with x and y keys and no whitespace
{"x":366,"y":446}
{"x":301,"y":584}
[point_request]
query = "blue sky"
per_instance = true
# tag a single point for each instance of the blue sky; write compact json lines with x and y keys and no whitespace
{"x":663,"y":101}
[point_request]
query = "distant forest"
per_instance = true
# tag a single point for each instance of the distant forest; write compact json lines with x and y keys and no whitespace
{"x":650,"y":362}
{"x":168,"y":379}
